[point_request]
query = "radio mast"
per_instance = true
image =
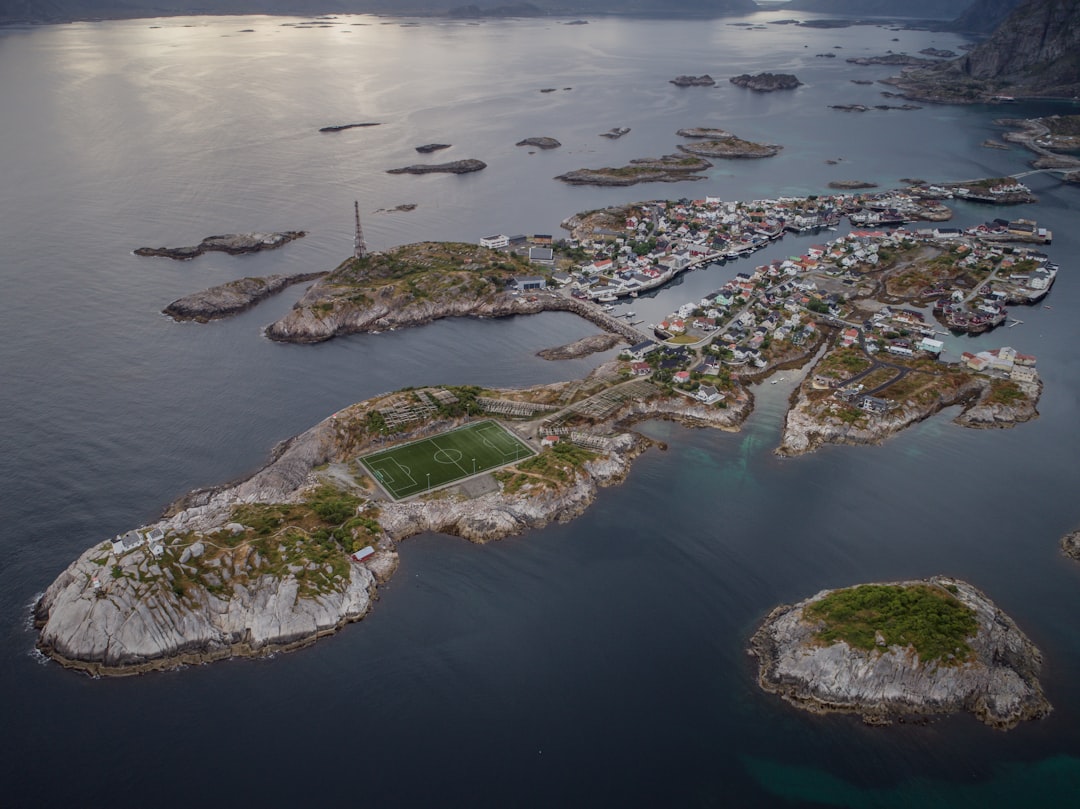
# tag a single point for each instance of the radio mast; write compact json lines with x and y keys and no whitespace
{"x":359,"y":247}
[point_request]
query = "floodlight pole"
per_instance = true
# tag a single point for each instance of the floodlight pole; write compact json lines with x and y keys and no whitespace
{"x":429,"y":481}
{"x":474,"y":466}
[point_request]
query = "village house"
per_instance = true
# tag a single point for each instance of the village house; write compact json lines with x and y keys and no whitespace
{"x":495,"y":242}
{"x":708,"y":394}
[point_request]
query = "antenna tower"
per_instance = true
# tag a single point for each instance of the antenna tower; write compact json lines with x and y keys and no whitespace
{"x":359,"y":247}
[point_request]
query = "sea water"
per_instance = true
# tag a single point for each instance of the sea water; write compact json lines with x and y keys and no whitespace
{"x":600,"y":662}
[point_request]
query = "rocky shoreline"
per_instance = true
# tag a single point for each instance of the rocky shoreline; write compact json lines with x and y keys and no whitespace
{"x":998,"y":683}
{"x":806,"y":429}
{"x":311,"y":321}
{"x":232,"y":298}
{"x":234,"y":244}
{"x":204,"y":596}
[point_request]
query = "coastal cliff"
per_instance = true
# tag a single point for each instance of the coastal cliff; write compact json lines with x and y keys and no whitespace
{"x":875,"y":669}
{"x":1031,"y":53}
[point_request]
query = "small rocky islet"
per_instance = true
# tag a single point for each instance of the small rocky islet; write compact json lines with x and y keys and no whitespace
{"x":234,"y":244}
{"x":900,"y":651}
{"x":455,"y":167}
{"x":670,"y":168}
{"x":343,"y":127}
{"x":580,"y":348}
{"x":693,"y":81}
{"x":540,"y":142}
{"x":233,"y":297}
{"x":766,"y":82}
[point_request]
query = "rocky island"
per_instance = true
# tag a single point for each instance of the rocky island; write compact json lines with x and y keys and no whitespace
{"x":580,"y":348}
{"x":343,"y":127}
{"x":766,"y":82}
{"x":672,"y":168}
{"x":454,"y":167}
{"x":406,"y":286}
{"x":232,"y":298}
{"x":704,"y":133}
{"x":540,"y":143}
{"x":849,"y":185}
{"x":731,"y":148}
{"x":901,"y":650}
{"x":234,"y":244}
{"x":693,"y":81}
{"x":883,"y":373}
{"x":428,"y":148}
{"x":298,"y":549}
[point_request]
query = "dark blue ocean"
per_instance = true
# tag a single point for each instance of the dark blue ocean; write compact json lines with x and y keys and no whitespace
{"x":596,"y":663}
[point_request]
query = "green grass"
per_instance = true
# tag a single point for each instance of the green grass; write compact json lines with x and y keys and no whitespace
{"x":927,"y":618}
{"x":1005,"y":392}
{"x":429,"y":463}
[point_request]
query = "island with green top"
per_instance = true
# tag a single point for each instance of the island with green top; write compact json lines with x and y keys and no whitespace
{"x":901,"y":650}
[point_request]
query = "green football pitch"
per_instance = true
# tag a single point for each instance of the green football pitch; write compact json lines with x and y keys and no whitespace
{"x":433,"y":462}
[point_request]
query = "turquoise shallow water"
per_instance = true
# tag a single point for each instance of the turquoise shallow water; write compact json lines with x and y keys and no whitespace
{"x":592,"y":663}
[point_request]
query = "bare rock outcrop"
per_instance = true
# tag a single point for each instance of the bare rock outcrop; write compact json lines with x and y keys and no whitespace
{"x":454,"y":167}
{"x":133,"y":618}
{"x":540,"y":142}
{"x":990,"y":415}
{"x":233,"y":243}
{"x":998,"y":682}
{"x":1070,"y":545}
{"x":704,"y":80}
{"x":580,"y":348}
{"x":232,"y":298}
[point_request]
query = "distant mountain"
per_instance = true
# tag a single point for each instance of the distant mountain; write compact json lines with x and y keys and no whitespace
{"x":919,"y":9}
{"x":702,"y":7}
{"x":57,"y":10}
{"x":983,"y":16}
{"x":1034,"y":52}
{"x":1039,"y":43}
